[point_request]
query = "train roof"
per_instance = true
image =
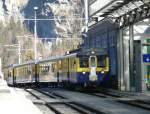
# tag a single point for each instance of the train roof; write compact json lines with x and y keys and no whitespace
{"x":58,"y":58}
{"x":81,"y":52}
{"x":103,"y":26}
{"x":52,"y":59}
{"x":92,"y":51}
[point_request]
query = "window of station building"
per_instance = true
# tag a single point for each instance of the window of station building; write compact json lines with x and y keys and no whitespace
{"x":105,"y":41}
{"x":112,"y":39}
{"x":142,"y":29}
{"x":101,"y":61}
{"x":141,"y":32}
{"x":102,"y":42}
{"x":90,"y":42}
{"x":98,"y":43}
{"x":93,"y":42}
{"x":84,"y":62}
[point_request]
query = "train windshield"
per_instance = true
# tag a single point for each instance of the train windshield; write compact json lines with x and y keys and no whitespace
{"x":84,"y":62}
{"x":93,"y":61}
{"x":101,"y":61}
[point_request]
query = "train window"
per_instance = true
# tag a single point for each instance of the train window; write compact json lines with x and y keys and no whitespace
{"x":84,"y":62}
{"x":92,"y":61}
{"x":101,"y":61}
{"x":53,"y":67}
{"x":48,"y":68}
{"x":42,"y":68}
{"x":74,"y":63}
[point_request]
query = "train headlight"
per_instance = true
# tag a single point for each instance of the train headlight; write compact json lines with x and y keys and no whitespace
{"x":93,"y":52}
{"x":102,"y":72}
{"x":83,"y":72}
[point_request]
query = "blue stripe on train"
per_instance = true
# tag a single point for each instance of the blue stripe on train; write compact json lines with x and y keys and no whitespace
{"x":84,"y":78}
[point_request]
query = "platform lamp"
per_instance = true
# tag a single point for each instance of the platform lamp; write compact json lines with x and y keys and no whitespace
{"x":35,"y":33}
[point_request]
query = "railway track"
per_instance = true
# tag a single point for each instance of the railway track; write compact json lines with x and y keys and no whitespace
{"x":105,"y":93}
{"x":120,"y":97}
{"x":124,"y":98}
{"x":136,"y":103}
{"x":59,"y":104}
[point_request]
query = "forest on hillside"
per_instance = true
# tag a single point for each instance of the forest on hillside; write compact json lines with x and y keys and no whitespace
{"x":67,"y":26}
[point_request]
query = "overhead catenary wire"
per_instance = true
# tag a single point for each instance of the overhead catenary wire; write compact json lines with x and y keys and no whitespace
{"x":48,"y":19}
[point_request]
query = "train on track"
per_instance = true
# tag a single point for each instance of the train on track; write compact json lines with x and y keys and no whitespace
{"x":94,"y":63}
{"x":79,"y":68}
{"x":104,"y":36}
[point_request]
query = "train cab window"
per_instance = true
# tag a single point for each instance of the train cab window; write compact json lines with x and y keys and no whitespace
{"x":101,"y":61}
{"x":84,"y":62}
{"x":48,"y":67}
{"x":74,"y":63}
{"x":93,"y":61}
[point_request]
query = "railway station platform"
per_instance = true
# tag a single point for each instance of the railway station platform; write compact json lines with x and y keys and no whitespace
{"x":13,"y":103}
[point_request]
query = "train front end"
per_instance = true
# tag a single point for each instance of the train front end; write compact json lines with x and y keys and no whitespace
{"x":92,"y":68}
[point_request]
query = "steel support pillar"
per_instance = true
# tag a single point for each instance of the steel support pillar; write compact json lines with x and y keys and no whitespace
{"x":86,"y":5}
{"x":131,"y":54}
{"x":143,"y":69}
{"x":126,"y":72}
{"x":120,"y":52}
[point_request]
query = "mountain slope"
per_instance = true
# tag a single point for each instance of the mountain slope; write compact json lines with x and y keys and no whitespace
{"x":64,"y":23}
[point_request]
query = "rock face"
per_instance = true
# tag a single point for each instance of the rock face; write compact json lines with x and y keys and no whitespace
{"x":11,"y":8}
{"x":64,"y":25}
{"x":45,"y":28}
{"x":21,"y":9}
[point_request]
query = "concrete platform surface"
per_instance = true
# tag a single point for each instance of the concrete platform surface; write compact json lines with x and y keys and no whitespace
{"x":14,"y":103}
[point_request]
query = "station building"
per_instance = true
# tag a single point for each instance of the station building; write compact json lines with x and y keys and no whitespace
{"x":122,"y":28}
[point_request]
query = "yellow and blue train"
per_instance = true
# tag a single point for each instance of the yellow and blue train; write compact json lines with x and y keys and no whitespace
{"x":80,"y":68}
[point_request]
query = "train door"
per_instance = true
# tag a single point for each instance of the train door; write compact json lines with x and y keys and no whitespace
{"x":93,"y":65}
{"x":14,"y":73}
{"x":36,"y":73}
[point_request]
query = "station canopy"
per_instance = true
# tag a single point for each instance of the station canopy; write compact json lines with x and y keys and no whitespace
{"x":114,"y":8}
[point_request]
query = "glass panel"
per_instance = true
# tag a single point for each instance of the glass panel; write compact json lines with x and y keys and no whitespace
{"x":93,"y":62}
{"x":98,"y":4}
{"x":142,"y":32}
{"x":148,"y":67}
{"x":101,"y":61}
{"x":84,"y":62}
